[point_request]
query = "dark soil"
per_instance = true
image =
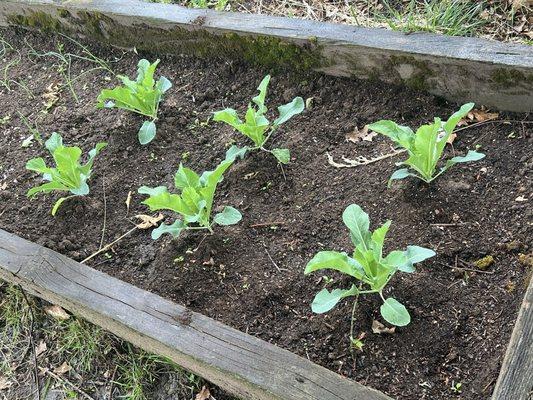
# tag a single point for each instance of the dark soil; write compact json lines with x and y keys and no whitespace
{"x":251,"y":277}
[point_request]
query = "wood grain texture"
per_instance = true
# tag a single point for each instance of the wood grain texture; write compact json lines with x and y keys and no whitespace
{"x":459,"y":68}
{"x":239,"y":363}
{"x":516,"y":375}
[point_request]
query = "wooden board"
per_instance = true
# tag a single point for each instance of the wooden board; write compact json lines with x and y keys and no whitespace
{"x":516,"y":376}
{"x":461,"y":69}
{"x":239,"y":363}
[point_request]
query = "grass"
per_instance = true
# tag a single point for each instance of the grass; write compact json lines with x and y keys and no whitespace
{"x":93,"y":354}
{"x":449,"y":17}
{"x":496,"y":19}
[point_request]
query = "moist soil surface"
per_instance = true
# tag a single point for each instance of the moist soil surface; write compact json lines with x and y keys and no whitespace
{"x":250,"y":275}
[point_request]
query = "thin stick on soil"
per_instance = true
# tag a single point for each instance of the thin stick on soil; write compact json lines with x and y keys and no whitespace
{"x":273,"y":262}
{"x":107,"y":246}
{"x":466,"y":269}
{"x":32,"y":343}
{"x":68,"y":383}
{"x":105,"y":214}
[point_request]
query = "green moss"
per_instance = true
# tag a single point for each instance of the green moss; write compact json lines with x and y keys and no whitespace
{"x":484,"y":263}
{"x":510,"y":77}
{"x":38,"y":19}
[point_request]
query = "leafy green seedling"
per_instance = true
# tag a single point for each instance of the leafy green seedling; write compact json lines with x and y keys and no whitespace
{"x":141,"y":96}
{"x":256,"y":126}
{"x":194,"y":203}
{"x":367,"y":265}
{"x":69,"y":175}
{"x":425,"y":148}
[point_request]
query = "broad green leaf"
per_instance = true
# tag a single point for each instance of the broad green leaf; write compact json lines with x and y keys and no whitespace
{"x":398,"y":259}
{"x":58,"y":204}
{"x":402,"y":135}
{"x":68,"y":166}
{"x":54,"y":142}
{"x":282,"y":155}
{"x":38,"y":165}
{"x":259,"y":100}
{"x":174,"y":229}
{"x":81,"y":190}
{"x":235,"y":152}
{"x":424,"y":155}
{"x":454,"y":119}
{"x":378,"y":238}
{"x":228,"y":216}
{"x":358,"y":223}
{"x":336,"y":261}
{"x":164,"y":201}
{"x":395,"y":312}
{"x":326,"y":300}
{"x":210,"y":180}
{"x":152,"y":191}
{"x":86,"y":169}
{"x":147,"y":132}
{"x":470,"y":156}
{"x":399,"y":174}
{"x":416,"y":254}
{"x":289,"y":110}
{"x":163,"y":84}
{"x":229,"y":116}
{"x":186,"y":177}
{"x":47,"y":188}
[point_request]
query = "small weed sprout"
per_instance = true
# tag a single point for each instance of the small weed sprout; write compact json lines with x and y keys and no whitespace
{"x":425,"y":148}
{"x":367,"y":265}
{"x":141,"y":96}
{"x":256,"y":126}
{"x":194,"y":203}
{"x":68,"y":175}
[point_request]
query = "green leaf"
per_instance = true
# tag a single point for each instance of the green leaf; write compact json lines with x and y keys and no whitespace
{"x":228,"y":216}
{"x":336,"y":261}
{"x":358,"y":223}
{"x":163,"y":84}
{"x":470,"y":156}
{"x":454,"y":119}
{"x":152,"y":191}
{"x":395,"y":312}
{"x":58,"y":204}
{"x":402,"y":135}
{"x":404,"y":260}
{"x":229,"y":116}
{"x":47,"y":188}
{"x":54,"y":142}
{"x":378,"y":238}
{"x":326,"y":300}
{"x":282,"y":155}
{"x":259,"y":100}
{"x":235,"y":152}
{"x":147,"y":132}
{"x":174,"y":229}
{"x":38,"y":165}
{"x":416,"y":254}
{"x":289,"y":110}
{"x":399,"y":174}
{"x":186,"y":177}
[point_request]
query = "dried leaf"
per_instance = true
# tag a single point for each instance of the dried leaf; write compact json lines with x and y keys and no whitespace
{"x":204,"y":394}
{"x":451,"y":138}
{"x":51,"y":96}
{"x":521,"y":199}
{"x":379,"y":328}
{"x":148,"y":221}
{"x":358,"y":135}
{"x":5,"y":383}
{"x":481,"y":116}
{"x":62,"y":369}
{"x":57,"y":312}
{"x":128,"y":201}
{"x":41,"y":348}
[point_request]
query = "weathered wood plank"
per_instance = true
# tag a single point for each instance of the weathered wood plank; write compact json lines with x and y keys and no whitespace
{"x":461,"y":69}
{"x":239,"y":363}
{"x":516,"y":375}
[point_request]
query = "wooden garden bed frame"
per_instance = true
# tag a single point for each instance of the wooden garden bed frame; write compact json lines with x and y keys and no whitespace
{"x":498,"y":75}
{"x":462,"y":69}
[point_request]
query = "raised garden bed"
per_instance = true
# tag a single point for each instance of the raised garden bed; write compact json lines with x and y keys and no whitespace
{"x":250,"y":276}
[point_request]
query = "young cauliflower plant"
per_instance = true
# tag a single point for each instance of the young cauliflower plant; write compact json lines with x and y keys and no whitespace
{"x":256,"y":126}
{"x":194,"y":203}
{"x":69,"y":175}
{"x":141,"y":96}
{"x":425,"y":148}
{"x":367,"y":266}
